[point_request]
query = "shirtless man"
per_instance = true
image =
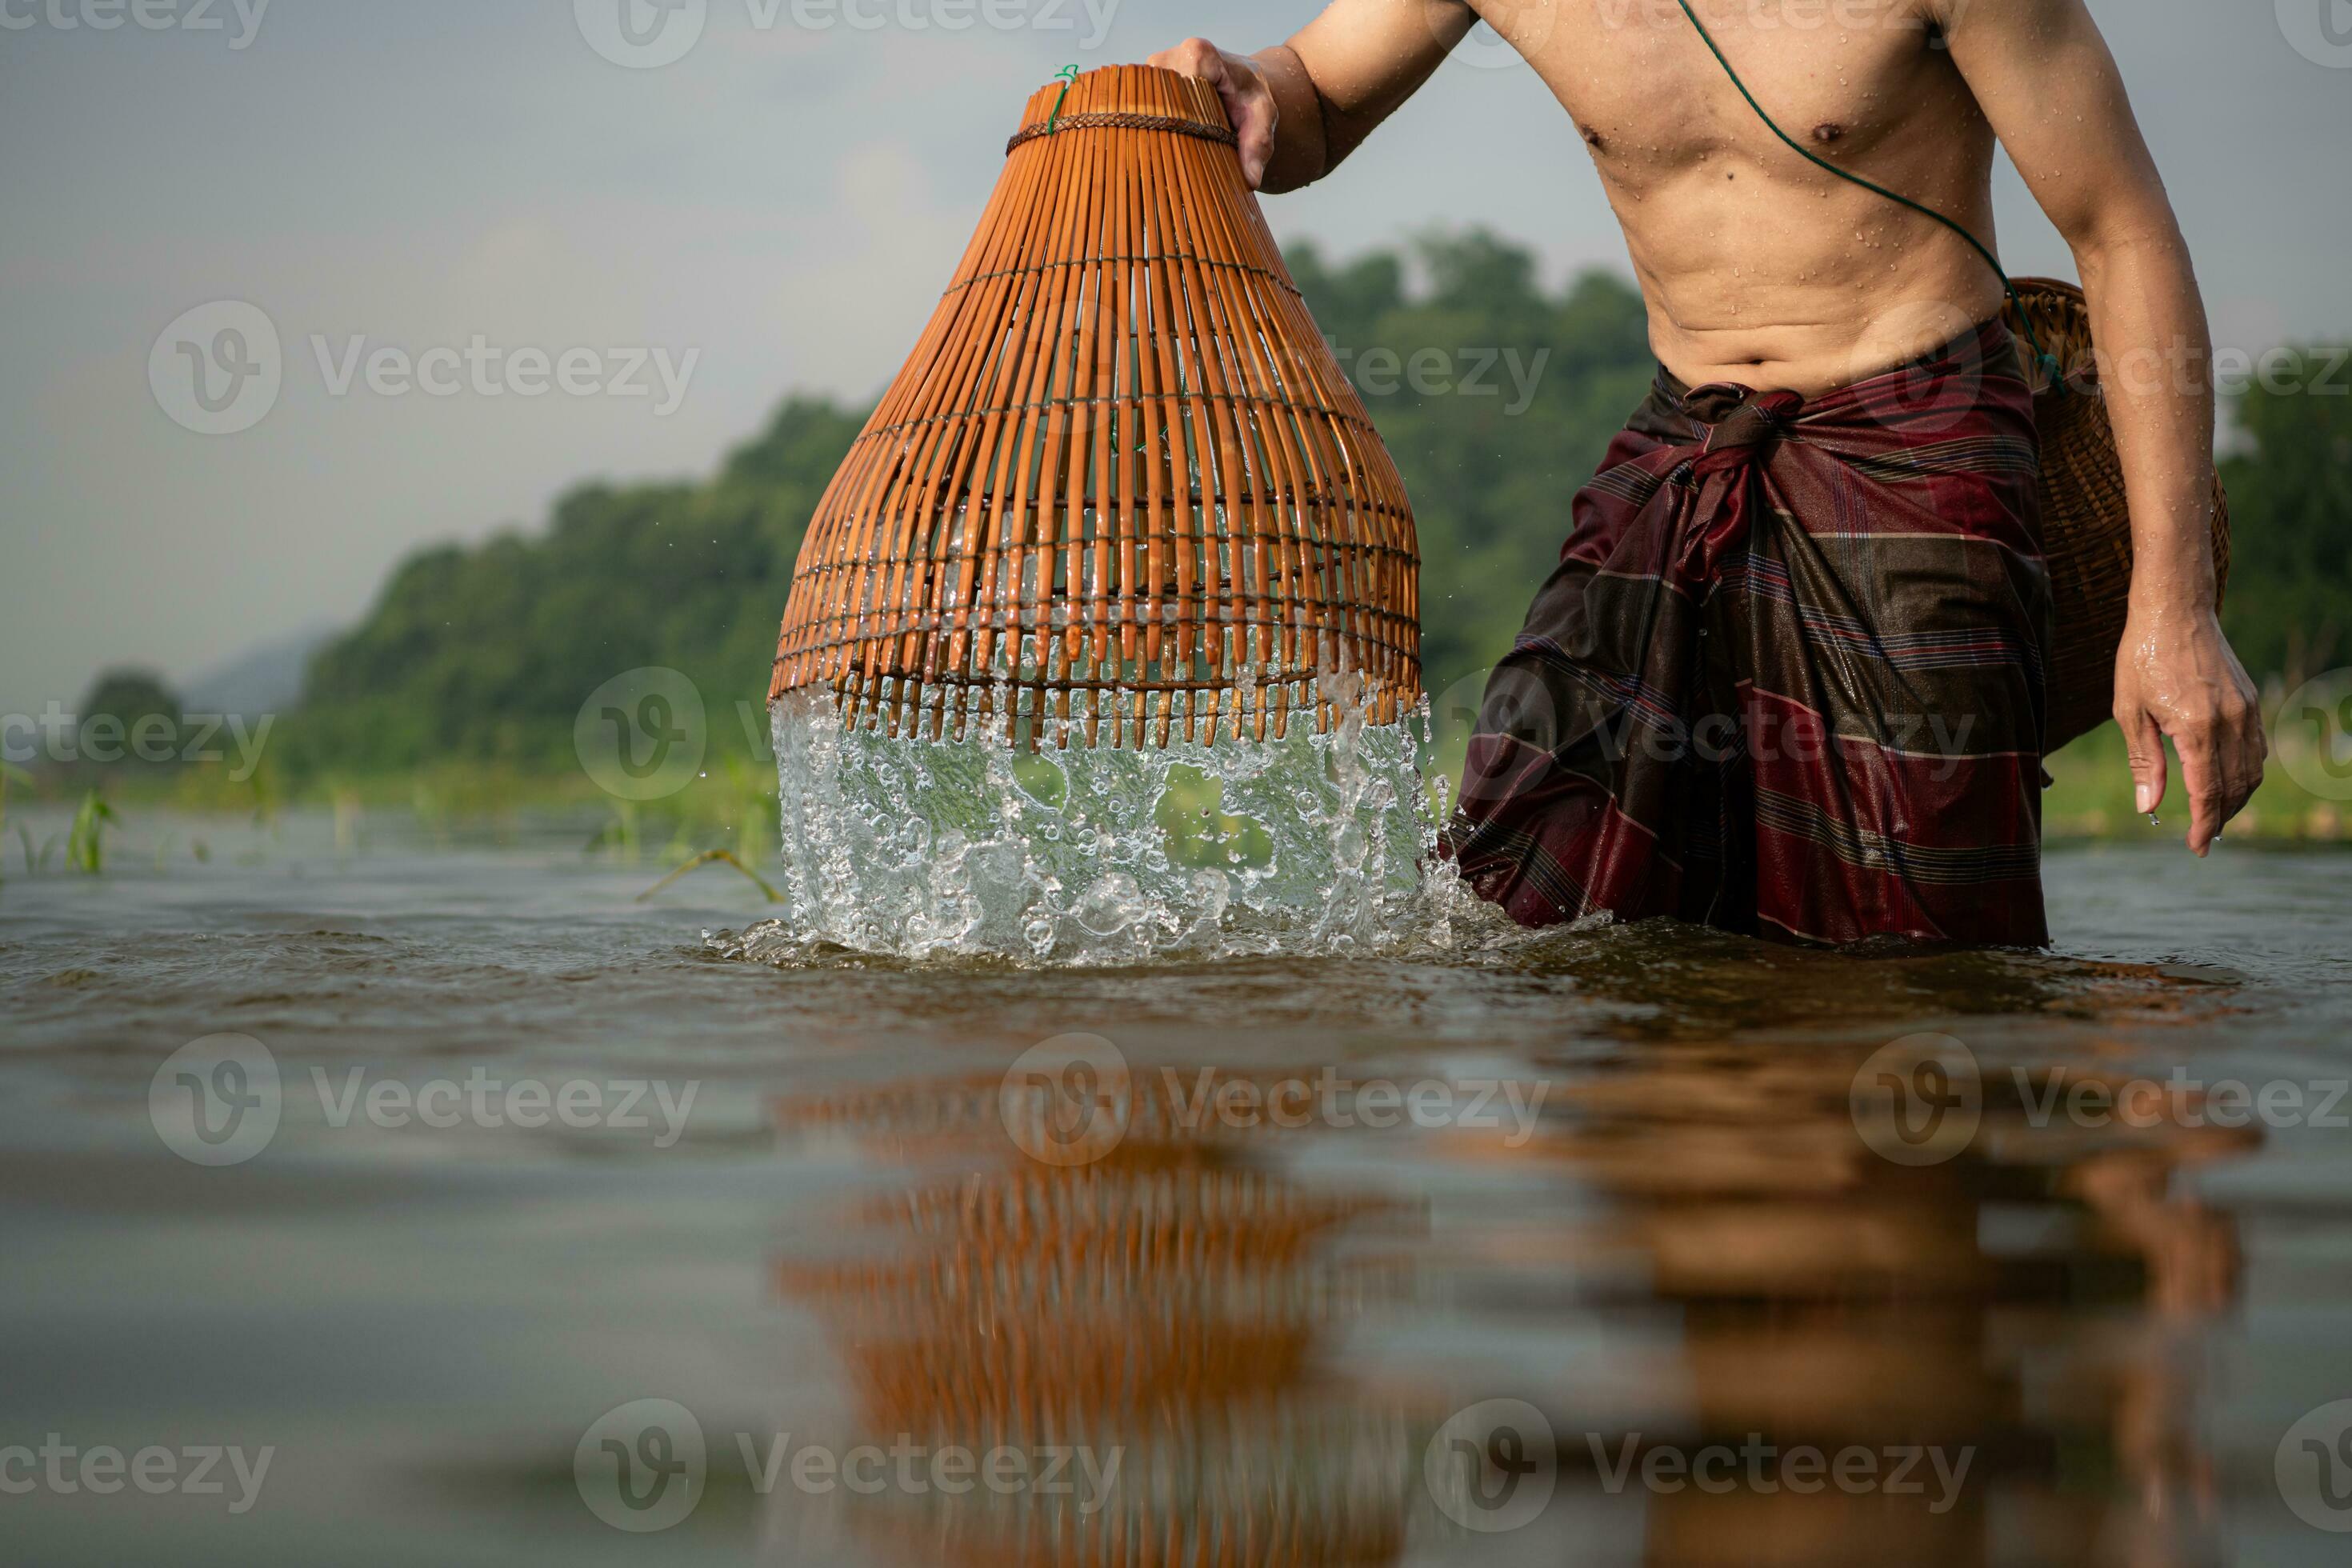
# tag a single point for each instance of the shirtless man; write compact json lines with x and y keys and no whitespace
{"x":1765,"y":275}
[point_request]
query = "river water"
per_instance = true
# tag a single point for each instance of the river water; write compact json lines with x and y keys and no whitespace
{"x":1634,"y":1245}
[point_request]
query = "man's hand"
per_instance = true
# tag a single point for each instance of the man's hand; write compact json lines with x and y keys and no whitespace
{"x":1249,"y":99}
{"x":1300,"y":108}
{"x":2176,"y":675}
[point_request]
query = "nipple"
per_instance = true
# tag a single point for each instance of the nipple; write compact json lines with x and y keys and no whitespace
{"x":1829,"y":131}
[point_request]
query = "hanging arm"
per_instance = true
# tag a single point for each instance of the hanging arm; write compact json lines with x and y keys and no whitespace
{"x":2045,"y":79}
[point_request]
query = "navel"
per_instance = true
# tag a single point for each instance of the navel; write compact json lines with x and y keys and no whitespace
{"x":1829,"y":131}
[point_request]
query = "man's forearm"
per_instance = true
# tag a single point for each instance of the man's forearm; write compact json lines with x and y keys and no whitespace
{"x":2156,"y":358}
{"x":1301,"y":156}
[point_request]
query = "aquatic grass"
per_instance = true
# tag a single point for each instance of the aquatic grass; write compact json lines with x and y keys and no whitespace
{"x":620,"y":836}
{"x":715,"y":857}
{"x":11,"y":773}
{"x":86,"y":840}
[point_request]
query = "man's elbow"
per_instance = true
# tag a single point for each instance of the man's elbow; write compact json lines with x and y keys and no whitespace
{"x":2137,"y":230}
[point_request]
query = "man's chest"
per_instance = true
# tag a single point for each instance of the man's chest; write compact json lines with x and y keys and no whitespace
{"x":1839,"y":75}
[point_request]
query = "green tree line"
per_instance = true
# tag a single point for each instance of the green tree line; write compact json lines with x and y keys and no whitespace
{"x":483,"y":652}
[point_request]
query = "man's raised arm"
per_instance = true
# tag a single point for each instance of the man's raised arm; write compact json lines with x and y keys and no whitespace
{"x":2046,"y":81}
{"x":1300,"y":108}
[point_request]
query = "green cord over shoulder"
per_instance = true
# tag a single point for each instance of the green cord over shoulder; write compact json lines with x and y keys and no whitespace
{"x":2048,"y":362}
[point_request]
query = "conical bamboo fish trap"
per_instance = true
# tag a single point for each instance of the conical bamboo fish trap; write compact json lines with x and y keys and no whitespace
{"x":1120,"y":490}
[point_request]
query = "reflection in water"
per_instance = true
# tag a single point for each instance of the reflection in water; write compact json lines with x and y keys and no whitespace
{"x":1165,"y":1303}
{"x":1272,"y":1353}
{"x":2036,"y":1300}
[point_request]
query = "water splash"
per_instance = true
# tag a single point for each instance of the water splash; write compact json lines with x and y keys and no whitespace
{"x":1311,"y":844}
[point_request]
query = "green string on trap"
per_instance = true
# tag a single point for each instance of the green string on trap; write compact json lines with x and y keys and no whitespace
{"x":1065,"y":76}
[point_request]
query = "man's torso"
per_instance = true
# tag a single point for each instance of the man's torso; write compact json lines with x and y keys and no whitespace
{"x":1760,"y":267}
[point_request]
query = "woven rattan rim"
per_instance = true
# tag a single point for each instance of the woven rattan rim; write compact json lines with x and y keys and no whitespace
{"x":1122,"y":123}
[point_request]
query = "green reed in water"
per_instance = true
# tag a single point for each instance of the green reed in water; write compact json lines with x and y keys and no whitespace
{"x":86,"y":839}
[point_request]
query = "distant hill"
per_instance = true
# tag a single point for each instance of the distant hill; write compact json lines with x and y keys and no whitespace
{"x":263,"y":678}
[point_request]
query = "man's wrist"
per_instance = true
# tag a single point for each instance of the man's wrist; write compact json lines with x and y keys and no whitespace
{"x":1300,"y":157}
{"x":2171,"y":603}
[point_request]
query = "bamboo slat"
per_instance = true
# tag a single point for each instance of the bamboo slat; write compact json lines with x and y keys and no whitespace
{"x":1120,"y":492}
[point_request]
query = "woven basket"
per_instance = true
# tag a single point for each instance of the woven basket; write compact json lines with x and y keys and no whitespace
{"x":2085,"y":527}
{"x":1120,"y":490}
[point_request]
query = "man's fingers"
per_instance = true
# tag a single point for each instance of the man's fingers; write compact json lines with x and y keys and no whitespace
{"x":2144,"y":744}
{"x":2249,"y":747}
{"x":1248,"y":103}
{"x":1254,"y":124}
{"x":2201,"y":777}
{"x":1193,"y":57}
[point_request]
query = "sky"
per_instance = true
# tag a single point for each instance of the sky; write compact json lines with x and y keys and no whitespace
{"x":507,"y":245}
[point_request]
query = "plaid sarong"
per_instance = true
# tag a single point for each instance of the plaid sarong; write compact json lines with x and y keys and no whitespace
{"x":1788,"y":676}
